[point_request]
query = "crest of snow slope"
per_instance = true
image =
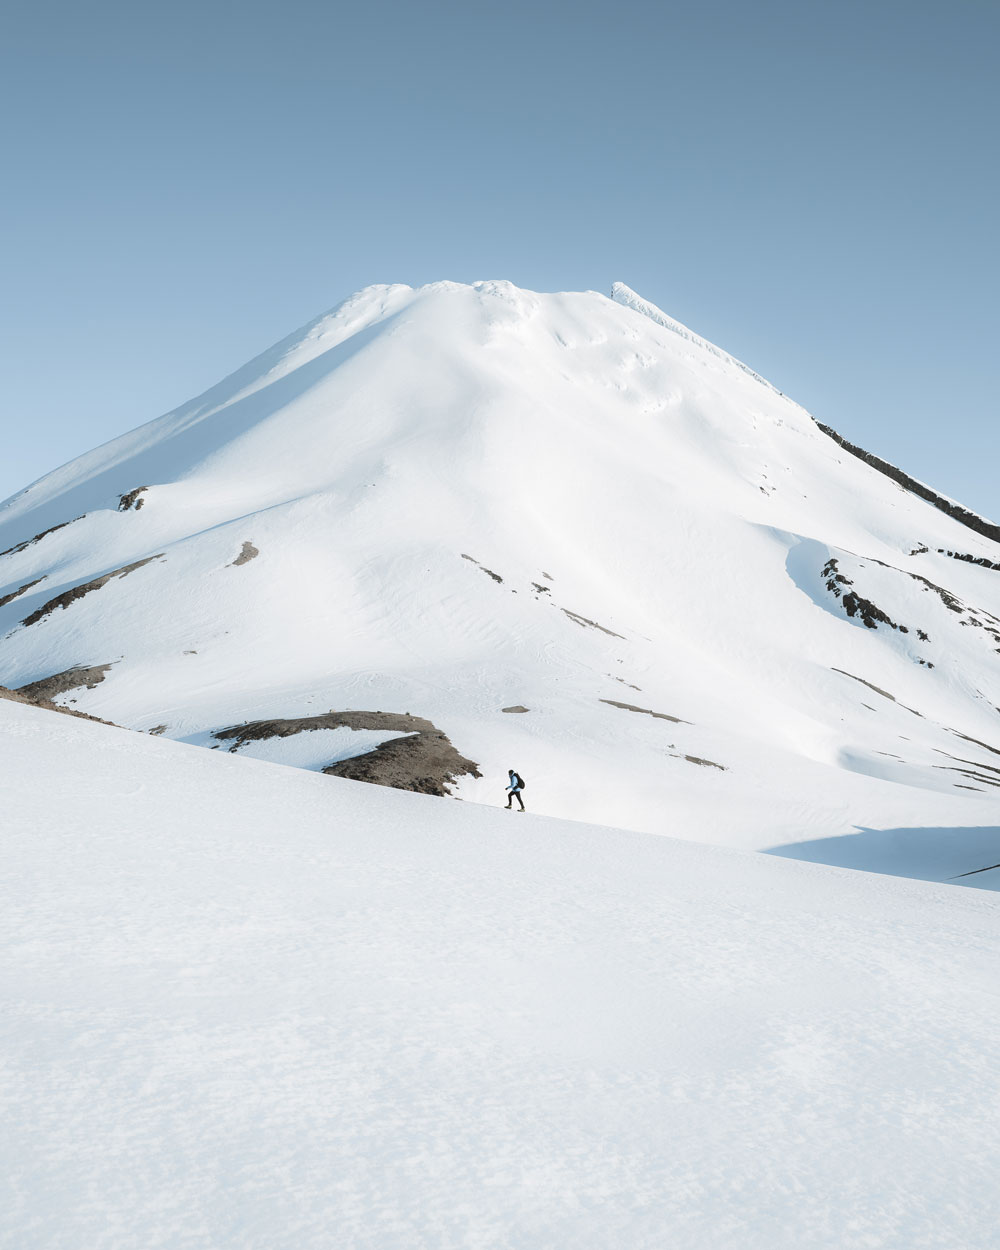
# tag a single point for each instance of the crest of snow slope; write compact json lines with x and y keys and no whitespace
{"x":248,"y":1006}
{"x":465,"y":498}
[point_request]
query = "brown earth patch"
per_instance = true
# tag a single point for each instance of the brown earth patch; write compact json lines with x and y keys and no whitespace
{"x":630,"y":707}
{"x":77,"y":592}
{"x":588,"y":624}
{"x":30,"y":542}
{"x":20,"y":591}
{"x":878,"y":690}
{"x":425,"y":762}
{"x":15,"y":696}
{"x":248,"y":553}
{"x":59,"y":683}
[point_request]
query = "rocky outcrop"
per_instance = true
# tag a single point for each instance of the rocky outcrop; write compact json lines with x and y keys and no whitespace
{"x":424,"y":760}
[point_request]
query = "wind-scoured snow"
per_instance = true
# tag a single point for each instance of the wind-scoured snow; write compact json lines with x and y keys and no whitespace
{"x":249,"y":1006}
{"x":466,"y":498}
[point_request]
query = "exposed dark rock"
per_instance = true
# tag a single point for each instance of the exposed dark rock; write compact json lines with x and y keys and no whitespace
{"x":248,"y":553}
{"x":20,"y":591}
{"x":489,"y":572}
{"x":60,"y":683}
{"x":157,"y":730}
{"x":133,"y":499}
{"x":950,"y":601}
{"x":834,"y":578}
{"x":584,"y":621}
{"x":962,"y":515}
{"x":425,"y":762}
{"x":854,"y":605}
{"x":516,"y":708}
{"x":30,"y":542}
{"x":870,"y":613}
{"x":630,"y":707}
{"x":542,"y":590}
{"x":693,"y":759}
{"x":959,"y":555}
{"x":77,"y":592}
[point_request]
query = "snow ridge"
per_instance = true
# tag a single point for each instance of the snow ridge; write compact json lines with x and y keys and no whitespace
{"x":628,"y":298}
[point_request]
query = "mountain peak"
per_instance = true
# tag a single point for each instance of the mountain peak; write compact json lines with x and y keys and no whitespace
{"x":563,"y":530}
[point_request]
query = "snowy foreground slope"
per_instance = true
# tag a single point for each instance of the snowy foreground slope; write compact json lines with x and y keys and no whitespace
{"x":561,"y":530}
{"x":249,"y":1006}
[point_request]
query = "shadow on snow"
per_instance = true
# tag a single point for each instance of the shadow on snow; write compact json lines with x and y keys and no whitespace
{"x":965,"y":856}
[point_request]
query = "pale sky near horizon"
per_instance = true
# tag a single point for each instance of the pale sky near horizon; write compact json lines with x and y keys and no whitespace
{"x":812,"y":186}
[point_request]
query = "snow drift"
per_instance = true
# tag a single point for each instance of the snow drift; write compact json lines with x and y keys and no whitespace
{"x":250,"y":1006}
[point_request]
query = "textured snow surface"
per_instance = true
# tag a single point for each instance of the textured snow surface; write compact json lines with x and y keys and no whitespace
{"x":250,"y":1007}
{"x":460,"y":499}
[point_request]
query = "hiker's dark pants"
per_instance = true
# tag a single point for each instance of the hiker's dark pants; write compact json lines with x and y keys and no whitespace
{"x":515,"y":794}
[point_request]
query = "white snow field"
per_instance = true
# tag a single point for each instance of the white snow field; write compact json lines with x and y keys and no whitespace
{"x":247,"y":1006}
{"x":457,"y":500}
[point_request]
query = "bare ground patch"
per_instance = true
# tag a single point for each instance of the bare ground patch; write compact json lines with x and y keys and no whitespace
{"x":517,"y":707}
{"x":878,"y":690}
{"x":20,"y":591}
{"x":30,"y":542}
{"x":15,"y":696}
{"x":489,"y":572}
{"x":60,"y":683}
{"x":248,"y":553}
{"x":630,"y":707}
{"x":425,"y":762}
{"x":85,"y":588}
{"x":589,"y":624}
{"x":694,"y":759}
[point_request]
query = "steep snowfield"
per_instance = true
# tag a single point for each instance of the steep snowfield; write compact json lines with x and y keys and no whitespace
{"x":459,"y":499}
{"x":247,"y":1006}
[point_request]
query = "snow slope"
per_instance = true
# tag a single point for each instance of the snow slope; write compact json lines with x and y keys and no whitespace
{"x":460,"y":499}
{"x":248,"y":1006}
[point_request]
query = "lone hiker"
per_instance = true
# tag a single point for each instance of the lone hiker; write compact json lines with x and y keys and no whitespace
{"x":515,"y":788}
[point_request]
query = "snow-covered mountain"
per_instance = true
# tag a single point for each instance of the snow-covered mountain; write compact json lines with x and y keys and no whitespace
{"x":443,"y":532}
{"x":250,"y":1008}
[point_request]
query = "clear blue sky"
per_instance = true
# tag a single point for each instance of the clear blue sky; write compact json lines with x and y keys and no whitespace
{"x":813,"y":186}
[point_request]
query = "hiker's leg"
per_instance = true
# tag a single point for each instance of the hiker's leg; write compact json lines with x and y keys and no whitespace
{"x":519,"y":799}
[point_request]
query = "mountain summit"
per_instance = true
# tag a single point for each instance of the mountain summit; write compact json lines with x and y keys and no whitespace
{"x":442,"y":532}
